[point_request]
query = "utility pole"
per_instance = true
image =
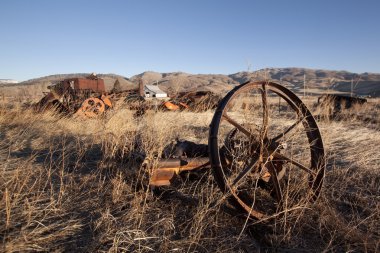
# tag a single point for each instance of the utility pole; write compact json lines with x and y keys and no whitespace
{"x":304,"y":85}
{"x":249,"y":65}
{"x":279,"y":98}
{"x":352,"y":87}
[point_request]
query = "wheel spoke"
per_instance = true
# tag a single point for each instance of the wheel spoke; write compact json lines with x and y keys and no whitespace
{"x":274,"y":178}
{"x":238,"y":126}
{"x":281,"y":135}
{"x":298,"y":164}
{"x":264,"y":130}
{"x":247,"y":169}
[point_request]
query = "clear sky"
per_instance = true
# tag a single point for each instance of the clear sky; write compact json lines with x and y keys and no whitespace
{"x":44,"y":37}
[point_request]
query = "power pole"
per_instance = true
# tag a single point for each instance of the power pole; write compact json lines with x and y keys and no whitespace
{"x":249,"y":65}
{"x":279,"y":98}
{"x":352,"y":86}
{"x":304,"y":85}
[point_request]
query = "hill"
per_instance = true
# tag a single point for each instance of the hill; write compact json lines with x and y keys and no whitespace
{"x":300,"y":80}
{"x":180,"y":81}
{"x":7,"y":81}
{"x":316,"y":81}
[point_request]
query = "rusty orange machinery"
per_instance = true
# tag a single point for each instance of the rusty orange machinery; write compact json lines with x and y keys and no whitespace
{"x":166,"y":169}
{"x":256,"y":172}
{"x":79,"y":96}
{"x":171,"y":106}
{"x":93,"y":106}
{"x":86,"y":96}
{"x":96,"y":85}
{"x":194,"y":101}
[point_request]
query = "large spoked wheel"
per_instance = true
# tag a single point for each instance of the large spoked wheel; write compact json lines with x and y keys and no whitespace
{"x":266,"y":151}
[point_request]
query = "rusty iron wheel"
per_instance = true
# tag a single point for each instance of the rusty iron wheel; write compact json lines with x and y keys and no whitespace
{"x":92,"y":107}
{"x":266,"y":150}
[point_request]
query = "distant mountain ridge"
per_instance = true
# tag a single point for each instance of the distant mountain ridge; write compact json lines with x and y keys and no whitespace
{"x":8,"y":81}
{"x":58,"y":77}
{"x":314,"y":80}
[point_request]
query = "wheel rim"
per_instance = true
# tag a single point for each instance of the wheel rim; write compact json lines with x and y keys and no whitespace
{"x":260,"y":163}
{"x":92,"y":107}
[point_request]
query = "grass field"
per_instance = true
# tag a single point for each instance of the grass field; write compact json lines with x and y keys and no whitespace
{"x":73,"y":185}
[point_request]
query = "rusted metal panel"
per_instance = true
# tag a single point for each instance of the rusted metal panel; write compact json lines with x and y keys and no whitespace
{"x":170,"y":106}
{"x":166,"y":169}
{"x":96,"y":85}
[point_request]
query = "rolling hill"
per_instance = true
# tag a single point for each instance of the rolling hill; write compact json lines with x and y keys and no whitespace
{"x":316,"y":81}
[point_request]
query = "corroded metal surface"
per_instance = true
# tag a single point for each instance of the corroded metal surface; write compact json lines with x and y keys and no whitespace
{"x":166,"y":169}
{"x":69,"y":95}
{"x":75,"y":95}
{"x":92,"y":108}
{"x":96,"y":85}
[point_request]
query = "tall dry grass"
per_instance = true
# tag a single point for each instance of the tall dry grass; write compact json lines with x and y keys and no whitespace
{"x":79,"y":185}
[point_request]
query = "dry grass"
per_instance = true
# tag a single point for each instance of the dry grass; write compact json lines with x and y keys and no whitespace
{"x":74,"y":185}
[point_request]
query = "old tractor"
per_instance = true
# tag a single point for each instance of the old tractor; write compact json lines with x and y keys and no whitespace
{"x":81,"y":96}
{"x":264,"y":148}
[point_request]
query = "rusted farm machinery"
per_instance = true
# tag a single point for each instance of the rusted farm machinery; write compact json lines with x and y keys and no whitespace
{"x":196,"y":101}
{"x":334,"y":104}
{"x":82,"y":96}
{"x":87,"y":97}
{"x":264,"y":148}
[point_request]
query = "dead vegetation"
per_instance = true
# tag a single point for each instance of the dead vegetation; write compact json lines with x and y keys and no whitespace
{"x":74,"y":185}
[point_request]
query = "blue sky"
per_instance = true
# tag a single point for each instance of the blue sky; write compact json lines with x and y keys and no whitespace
{"x":43,"y":37}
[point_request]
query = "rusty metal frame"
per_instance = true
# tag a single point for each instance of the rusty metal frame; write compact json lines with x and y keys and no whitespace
{"x":165,"y":170}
